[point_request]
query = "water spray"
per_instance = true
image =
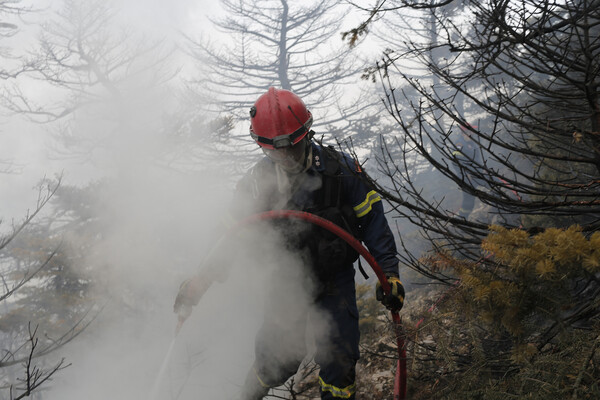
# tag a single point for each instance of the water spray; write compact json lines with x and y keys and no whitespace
{"x":163,"y":369}
{"x":209,"y":274}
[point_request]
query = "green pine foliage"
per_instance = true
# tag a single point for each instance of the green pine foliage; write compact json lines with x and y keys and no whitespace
{"x":531,"y":277}
{"x":523,"y":322}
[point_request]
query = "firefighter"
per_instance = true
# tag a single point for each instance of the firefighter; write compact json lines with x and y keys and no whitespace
{"x":297,"y":173}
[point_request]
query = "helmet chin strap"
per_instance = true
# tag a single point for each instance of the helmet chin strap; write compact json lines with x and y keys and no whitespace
{"x":308,"y":156}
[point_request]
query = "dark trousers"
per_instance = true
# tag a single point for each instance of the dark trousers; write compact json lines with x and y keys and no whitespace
{"x":468,"y":200}
{"x":281,"y":346}
{"x":467,"y":204}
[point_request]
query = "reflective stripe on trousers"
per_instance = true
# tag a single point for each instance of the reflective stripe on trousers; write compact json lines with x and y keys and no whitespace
{"x":336,"y":392}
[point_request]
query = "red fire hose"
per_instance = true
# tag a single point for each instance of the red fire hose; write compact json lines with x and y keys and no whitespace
{"x":400,"y":379}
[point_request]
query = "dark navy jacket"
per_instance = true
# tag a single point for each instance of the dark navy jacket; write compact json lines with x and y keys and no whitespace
{"x":263,"y":185}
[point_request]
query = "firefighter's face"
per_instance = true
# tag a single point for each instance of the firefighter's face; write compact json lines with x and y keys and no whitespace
{"x":291,"y":158}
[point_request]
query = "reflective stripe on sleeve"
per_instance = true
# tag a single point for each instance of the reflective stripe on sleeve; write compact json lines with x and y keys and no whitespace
{"x":342,"y":393}
{"x":363,"y":208}
{"x":262,"y":383}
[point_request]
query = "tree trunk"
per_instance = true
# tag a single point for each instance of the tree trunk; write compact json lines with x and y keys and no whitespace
{"x":283,"y":56}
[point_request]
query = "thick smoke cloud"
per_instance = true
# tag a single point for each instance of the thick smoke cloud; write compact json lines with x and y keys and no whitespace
{"x":150,"y":249}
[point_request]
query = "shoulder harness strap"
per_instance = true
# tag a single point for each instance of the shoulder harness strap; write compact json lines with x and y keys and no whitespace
{"x":331,"y":190}
{"x":330,"y":195}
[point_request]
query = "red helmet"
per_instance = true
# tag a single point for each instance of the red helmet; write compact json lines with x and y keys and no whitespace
{"x":279,"y":119}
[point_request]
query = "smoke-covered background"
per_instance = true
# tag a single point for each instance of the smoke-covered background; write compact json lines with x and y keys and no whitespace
{"x":124,"y":128}
{"x":107,"y":115}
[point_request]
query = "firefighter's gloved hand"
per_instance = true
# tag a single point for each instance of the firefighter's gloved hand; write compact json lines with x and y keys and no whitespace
{"x":393,"y":300}
{"x":190,"y":292}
